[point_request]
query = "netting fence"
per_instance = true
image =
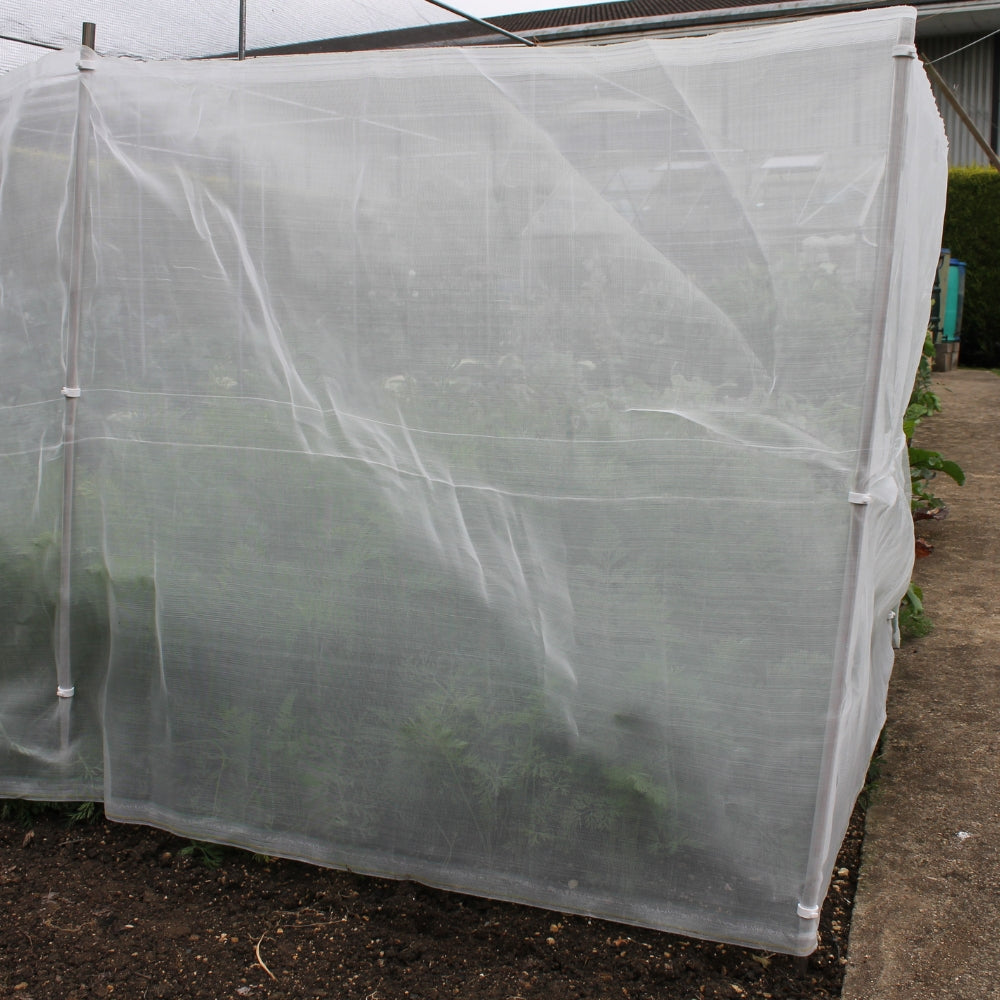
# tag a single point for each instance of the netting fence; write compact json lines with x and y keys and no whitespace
{"x":483,"y":467}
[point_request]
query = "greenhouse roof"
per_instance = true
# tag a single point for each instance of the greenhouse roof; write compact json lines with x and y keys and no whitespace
{"x":186,"y":29}
{"x":154,"y":29}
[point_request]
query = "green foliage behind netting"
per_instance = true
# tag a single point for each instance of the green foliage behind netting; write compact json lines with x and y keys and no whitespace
{"x":972,"y":233}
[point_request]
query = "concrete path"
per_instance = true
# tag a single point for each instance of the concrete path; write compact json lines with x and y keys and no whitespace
{"x":927,"y":917}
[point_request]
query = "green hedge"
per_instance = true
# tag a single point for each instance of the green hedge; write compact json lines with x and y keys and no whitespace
{"x":972,"y":233}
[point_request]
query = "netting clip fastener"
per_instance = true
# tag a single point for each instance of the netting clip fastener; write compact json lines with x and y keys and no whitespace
{"x":859,"y":498}
{"x":87,"y":64}
{"x":62,"y":692}
{"x":73,"y":393}
{"x":807,"y":912}
{"x":904,"y":52}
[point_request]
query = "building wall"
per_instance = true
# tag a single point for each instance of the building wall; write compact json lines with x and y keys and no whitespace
{"x":972,"y":75}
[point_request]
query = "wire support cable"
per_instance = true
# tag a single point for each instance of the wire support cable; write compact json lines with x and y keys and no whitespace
{"x":28,"y":41}
{"x":962,"y":48}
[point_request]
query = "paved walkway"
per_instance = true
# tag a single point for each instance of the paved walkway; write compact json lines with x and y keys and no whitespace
{"x":927,"y":917}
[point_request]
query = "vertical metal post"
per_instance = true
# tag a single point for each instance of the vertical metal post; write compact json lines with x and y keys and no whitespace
{"x":995,"y":96}
{"x":71,"y":390}
{"x":242,"y":50}
{"x":821,"y":845}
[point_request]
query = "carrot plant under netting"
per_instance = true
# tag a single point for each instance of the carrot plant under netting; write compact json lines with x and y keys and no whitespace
{"x":478,"y":466}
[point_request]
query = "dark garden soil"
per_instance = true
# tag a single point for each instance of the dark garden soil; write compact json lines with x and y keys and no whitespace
{"x":108,"y":910}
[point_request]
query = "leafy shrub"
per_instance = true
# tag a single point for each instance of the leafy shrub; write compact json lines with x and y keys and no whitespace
{"x":924,"y":463}
{"x":924,"y":466}
{"x":972,"y":234}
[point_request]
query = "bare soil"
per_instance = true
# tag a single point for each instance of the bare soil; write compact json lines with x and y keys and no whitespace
{"x":927,"y":921}
{"x":103,"y":909}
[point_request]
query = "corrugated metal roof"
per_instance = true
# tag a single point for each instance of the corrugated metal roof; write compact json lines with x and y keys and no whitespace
{"x":630,"y":9}
{"x":597,"y":13}
{"x":526,"y":23}
{"x":615,"y":15}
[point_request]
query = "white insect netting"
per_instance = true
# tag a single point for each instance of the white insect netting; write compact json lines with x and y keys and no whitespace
{"x":192,"y":29}
{"x":487,"y":467}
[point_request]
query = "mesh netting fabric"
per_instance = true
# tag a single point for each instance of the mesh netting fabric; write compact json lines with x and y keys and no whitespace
{"x":488,"y":465}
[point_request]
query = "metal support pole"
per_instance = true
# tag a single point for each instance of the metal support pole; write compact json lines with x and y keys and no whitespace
{"x":485,"y":24}
{"x":995,"y":96}
{"x":71,"y":390}
{"x":241,"y":53}
{"x":950,"y":96}
{"x":821,"y":844}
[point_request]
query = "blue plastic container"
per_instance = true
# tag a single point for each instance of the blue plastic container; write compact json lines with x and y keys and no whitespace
{"x":954,"y":301}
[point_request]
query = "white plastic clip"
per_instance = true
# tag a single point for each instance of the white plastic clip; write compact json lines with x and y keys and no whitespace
{"x":87,"y":64}
{"x":807,"y":912}
{"x":904,"y":52}
{"x":897,"y":639}
{"x":859,"y":498}
{"x":65,"y":692}
{"x":73,"y":393}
